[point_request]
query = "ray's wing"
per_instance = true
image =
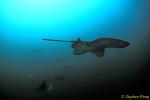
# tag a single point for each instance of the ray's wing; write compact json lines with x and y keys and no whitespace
{"x":50,"y":87}
{"x":42,"y":86}
{"x":99,"y":52}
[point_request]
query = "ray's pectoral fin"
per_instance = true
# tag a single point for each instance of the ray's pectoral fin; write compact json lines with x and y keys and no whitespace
{"x":42,"y":86}
{"x":99,"y":52}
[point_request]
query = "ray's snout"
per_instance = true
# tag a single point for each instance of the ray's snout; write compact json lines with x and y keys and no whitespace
{"x":123,"y":44}
{"x":119,"y":43}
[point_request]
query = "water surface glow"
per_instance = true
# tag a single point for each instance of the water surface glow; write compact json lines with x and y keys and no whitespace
{"x":57,"y":15}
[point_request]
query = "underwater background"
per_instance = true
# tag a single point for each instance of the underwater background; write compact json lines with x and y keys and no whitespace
{"x":26,"y":60}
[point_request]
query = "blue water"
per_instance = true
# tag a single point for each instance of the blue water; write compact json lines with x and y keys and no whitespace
{"x":26,"y":60}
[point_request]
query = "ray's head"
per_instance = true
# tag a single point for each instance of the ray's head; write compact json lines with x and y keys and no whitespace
{"x":124,"y":44}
